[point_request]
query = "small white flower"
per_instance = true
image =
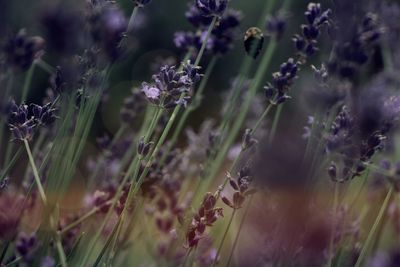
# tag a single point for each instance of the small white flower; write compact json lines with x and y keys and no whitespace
{"x":151,"y":92}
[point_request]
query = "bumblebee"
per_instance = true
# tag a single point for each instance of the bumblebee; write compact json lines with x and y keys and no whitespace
{"x":253,"y":41}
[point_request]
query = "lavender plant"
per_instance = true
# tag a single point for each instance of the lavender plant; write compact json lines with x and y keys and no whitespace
{"x":115,"y":152}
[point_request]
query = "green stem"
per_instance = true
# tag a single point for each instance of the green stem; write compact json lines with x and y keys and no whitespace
{"x":132,"y":19}
{"x":275,"y":123}
{"x":244,"y":111}
{"x":173,"y":116}
{"x":196,"y":102}
{"x":15,"y":261}
{"x":204,"y":45}
{"x":83,"y":218}
{"x":45,"y":66}
{"x":44,"y":200}
{"x":262,"y":117}
{"x":35,"y":173}
{"x":224,"y":237}
{"x":235,"y":242}
{"x":100,"y":162}
{"x":10,"y":165}
{"x":3,"y":120}
{"x":118,"y":194}
{"x":331,"y":241}
{"x":27,"y":83}
{"x":236,"y":90}
{"x":375,"y":226}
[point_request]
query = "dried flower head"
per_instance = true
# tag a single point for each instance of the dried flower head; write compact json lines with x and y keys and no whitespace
{"x":207,"y":215}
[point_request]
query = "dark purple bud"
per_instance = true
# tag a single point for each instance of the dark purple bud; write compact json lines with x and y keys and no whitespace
{"x":227,"y":201}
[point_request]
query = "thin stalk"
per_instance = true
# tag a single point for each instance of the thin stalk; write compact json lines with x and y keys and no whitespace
{"x":10,"y":165}
{"x":196,"y":102}
{"x":224,"y":237}
{"x":107,"y":244}
{"x":45,"y":66}
{"x":204,"y":45}
{"x":375,"y":226}
{"x":5,"y":98}
{"x":42,"y":194}
{"x":186,"y":257}
{"x":331,"y":241}
{"x":35,"y":173}
{"x":118,"y":194}
{"x":242,"y":221}
{"x":83,"y":218}
{"x":61,"y":253}
{"x":173,"y":116}
{"x":245,"y":108}
{"x":4,"y":250}
{"x":27,"y":83}
{"x":100,"y":162}
{"x":236,"y":90}
{"x":35,"y":150}
{"x":262,"y":117}
{"x":13,"y":262}
{"x":275,"y":123}
{"x":132,"y":19}
{"x":151,"y":158}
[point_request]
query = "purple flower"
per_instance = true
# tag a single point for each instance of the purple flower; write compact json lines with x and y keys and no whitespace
{"x":282,"y":81}
{"x":349,"y":55}
{"x":276,"y":25}
{"x":21,"y":126}
{"x":170,"y":84}
{"x":44,"y":115}
{"x":211,"y":8}
{"x":316,"y":19}
{"x":47,"y":262}
{"x":26,"y":245}
{"x":195,"y":16}
{"x":151,"y":92}
{"x":184,"y":40}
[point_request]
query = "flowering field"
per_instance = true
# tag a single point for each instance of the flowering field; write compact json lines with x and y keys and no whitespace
{"x":199,"y":133}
